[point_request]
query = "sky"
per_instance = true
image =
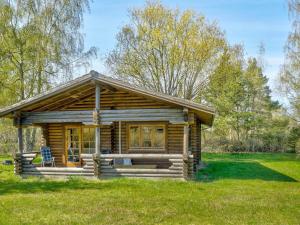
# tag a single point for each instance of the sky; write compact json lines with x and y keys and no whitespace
{"x":249,"y":23}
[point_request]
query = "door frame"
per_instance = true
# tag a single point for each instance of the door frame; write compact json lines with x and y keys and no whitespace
{"x":72,"y":164}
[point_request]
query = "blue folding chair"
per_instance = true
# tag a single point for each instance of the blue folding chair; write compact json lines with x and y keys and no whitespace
{"x":47,"y":156}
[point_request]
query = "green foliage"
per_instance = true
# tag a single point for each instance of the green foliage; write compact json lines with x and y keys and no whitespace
{"x":181,"y":54}
{"x":40,"y":44}
{"x":8,"y":137}
{"x":247,"y":119}
{"x":293,"y":139}
{"x":38,"y":41}
{"x":290,"y":74}
{"x":167,"y":50}
{"x":233,"y":189}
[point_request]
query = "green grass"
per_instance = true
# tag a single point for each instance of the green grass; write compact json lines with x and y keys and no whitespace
{"x":233,"y":189}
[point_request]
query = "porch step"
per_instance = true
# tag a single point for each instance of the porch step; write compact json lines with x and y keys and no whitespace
{"x":56,"y":169}
{"x":153,"y":175}
{"x":139,"y":171}
{"x":33,"y":173}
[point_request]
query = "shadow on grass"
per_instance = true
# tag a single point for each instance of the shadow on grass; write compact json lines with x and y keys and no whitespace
{"x":265,"y":157}
{"x":47,"y":185}
{"x":240,"y":170}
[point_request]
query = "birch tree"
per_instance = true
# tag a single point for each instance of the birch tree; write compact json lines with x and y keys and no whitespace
{"x":290,"y":74}
{"x":40,"y":43}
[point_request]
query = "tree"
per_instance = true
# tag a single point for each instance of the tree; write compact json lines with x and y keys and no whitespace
{"x":40,"y":43}
{"x":167,"y":51}
{"x":290,"y":74}
{"x":39,"y":40}
{"x":239,"y":92}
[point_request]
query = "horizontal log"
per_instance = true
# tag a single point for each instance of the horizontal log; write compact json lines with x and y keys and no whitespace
{"x":140,"y":111}
{"x":87,"y":160}
{"x":106,"y":116}
{"x":177,"y":164}
{"x":105,"y":160}
{"x":142,"y":156}
{"x":176,"y":169}
{"x":29,"y":155}
{"x":60,"y":172}
{"x":28,"y":166}
{"x":141,"y":175}
{"x":57,"y":174}
{"x":176,"y":160}
{"x":106,"y":167}
{"x":86,"y":156}
{"x":145,"y":171}
{"x":88,"y":167}
{"x":58,"y":169}
{"x":48,"y":113}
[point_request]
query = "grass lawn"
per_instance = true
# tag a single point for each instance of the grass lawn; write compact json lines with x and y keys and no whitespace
{"x":233,"y":189}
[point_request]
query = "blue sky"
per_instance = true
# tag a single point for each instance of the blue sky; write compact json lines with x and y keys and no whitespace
{"x":245,"y":22}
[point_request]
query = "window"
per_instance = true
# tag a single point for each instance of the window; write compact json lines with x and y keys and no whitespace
{"x":147,"y":136}
{"x":88,"y":140}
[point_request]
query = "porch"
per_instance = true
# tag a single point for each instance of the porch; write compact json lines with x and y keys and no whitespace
{"x":175,"y":166}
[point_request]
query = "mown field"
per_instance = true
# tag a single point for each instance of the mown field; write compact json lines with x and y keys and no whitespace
{"x":233,"y":189}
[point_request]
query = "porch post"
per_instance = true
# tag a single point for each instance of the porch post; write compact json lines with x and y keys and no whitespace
{"x":185,"y":139}
{"x":185,"y":155}
{"x":18,"y":155}
{"x":97,"y":111}
{"x":200,"y":142}
{"x":20,"y":139}
{"x":17,"y":123}
{"x":120,"y":137}
{"x":186,"y":132}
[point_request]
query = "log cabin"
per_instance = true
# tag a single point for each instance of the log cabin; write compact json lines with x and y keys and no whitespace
{"x":97,"y":126}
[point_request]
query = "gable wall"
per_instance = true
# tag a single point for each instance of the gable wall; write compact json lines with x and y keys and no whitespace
{"x":117,"y":100}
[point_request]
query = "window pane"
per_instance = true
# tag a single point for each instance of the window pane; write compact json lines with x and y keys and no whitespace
{"x":92,"y":134}
{"x":86,"y":144}
{"x":158,"y":137}
{"x":85,"y":134}
{"x":88,"y":136}
{"x":92,"y":144}
{"x":134,"y":136}
{"x":146,"y":134}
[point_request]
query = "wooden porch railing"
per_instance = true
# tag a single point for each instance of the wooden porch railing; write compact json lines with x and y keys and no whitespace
{"x":24,"y":166}
{"x":102,"y":166}
{"x":180,"y":166}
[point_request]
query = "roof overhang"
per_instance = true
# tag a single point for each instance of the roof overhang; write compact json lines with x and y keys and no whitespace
{"x":205,"y":113}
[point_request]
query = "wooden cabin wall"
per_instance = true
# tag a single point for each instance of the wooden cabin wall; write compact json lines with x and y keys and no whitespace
{"x":105,"y":138}
{"x":175,"y":139}
{"x":56,"y":142}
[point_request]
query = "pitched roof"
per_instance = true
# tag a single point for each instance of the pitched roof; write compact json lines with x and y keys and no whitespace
{"x":105,"y":80}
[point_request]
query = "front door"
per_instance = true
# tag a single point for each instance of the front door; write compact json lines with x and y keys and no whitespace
{"x":73,"y":146}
